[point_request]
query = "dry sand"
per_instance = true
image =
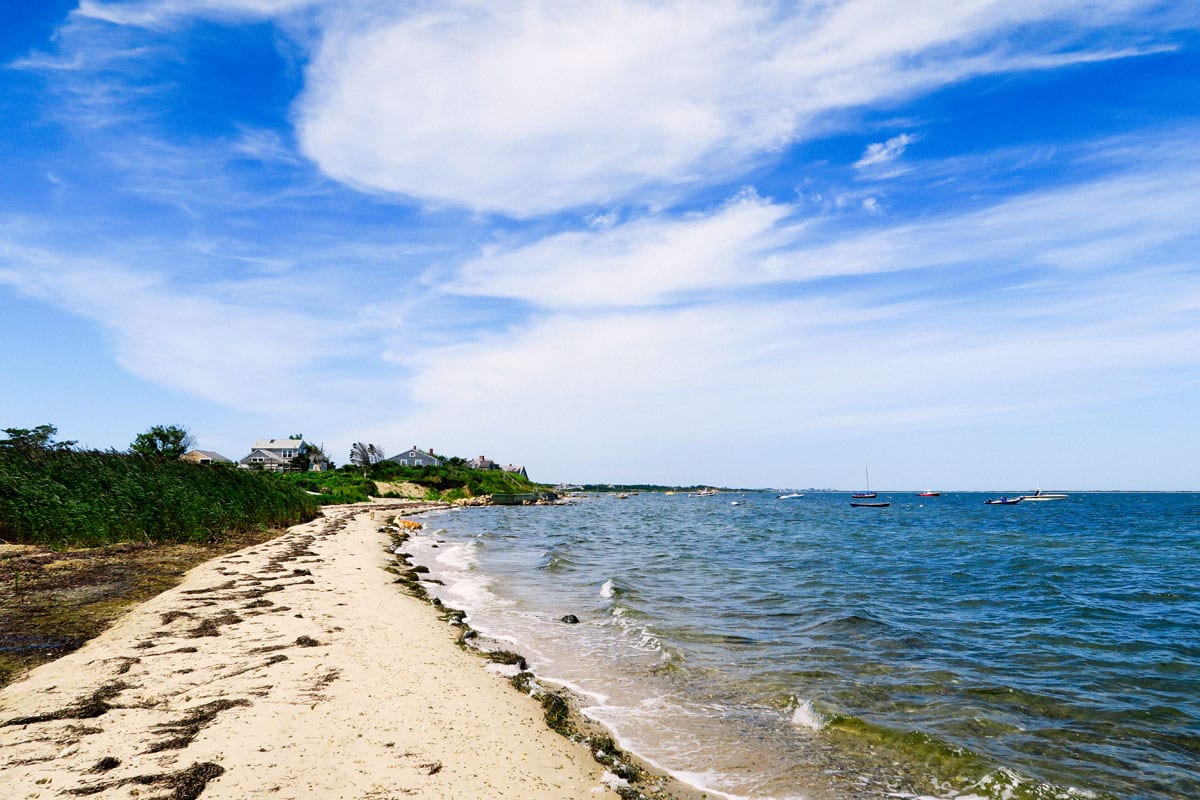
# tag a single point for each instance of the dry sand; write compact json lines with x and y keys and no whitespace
{"x":290,"y":669}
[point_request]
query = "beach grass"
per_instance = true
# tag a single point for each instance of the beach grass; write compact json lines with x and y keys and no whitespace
{"x":76,"y":498}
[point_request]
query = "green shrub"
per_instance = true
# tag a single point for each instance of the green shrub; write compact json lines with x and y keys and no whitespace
{"x":89,"y":498}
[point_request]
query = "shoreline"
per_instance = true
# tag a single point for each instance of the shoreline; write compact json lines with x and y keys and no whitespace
{"x":293,"y":668}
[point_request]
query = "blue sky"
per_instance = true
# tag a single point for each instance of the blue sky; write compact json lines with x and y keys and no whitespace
{"x":734,"y":242}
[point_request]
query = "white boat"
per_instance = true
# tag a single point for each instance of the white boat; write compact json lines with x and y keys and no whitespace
{"x":1041,"y":497}
{"x":790,"y":495}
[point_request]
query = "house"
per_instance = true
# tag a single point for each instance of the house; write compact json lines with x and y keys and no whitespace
{"x":517,"y":471}
{"x":483,"y":462}
{"x":204,"y":457}
{"x":413,"y":457}
{"x":273,"y":455}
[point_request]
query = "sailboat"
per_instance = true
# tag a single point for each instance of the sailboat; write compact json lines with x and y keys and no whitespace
{"x":868,"y":494}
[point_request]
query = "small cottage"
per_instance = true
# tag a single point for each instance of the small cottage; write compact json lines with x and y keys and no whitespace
{"x":415,"y":457}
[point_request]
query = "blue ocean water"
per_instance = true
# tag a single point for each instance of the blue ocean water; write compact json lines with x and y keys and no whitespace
{"x":766,"y":648}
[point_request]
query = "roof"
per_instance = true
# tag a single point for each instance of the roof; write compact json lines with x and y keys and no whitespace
{"x":209,"y":454}
{"x":278,"y":444}
{"x":271,"y":454}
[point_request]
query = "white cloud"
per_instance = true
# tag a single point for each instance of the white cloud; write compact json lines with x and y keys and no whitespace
{"x":884,"y":152}
{"x":533,"y":107}
{"x":157,"y":13}
{"x":1134,"y":220}
{"x":643,"y":262}
{"x":225,"y":344}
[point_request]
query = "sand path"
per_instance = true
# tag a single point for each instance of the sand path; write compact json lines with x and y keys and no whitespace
{"x":291,"y":669}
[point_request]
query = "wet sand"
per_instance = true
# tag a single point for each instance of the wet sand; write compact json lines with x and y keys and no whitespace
{"x":291,"y":669}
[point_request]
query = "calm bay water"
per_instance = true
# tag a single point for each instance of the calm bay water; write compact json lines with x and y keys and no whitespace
{"x":804,"y":648}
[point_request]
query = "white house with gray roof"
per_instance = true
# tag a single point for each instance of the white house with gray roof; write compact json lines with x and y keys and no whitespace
{"x":273,"y":455}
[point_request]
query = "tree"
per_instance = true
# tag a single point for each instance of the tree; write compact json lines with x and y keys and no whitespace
{"x":32,"y":440}
{"x":309,"y":455}
{"x":365,"y":456}
{"x":163,"y":441}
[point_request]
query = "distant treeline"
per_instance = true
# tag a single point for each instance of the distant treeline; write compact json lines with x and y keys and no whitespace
{"x":61,"y":497}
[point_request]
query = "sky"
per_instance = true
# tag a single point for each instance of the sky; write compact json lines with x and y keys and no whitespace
{"x":759,"y":244}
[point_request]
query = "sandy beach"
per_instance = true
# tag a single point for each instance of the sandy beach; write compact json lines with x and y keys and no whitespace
{"x":291,"y":669}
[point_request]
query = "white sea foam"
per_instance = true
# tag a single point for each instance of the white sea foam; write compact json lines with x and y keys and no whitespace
{"x":607,"y":589}
{"x":805,"y":716}
{"x":458,"y":557}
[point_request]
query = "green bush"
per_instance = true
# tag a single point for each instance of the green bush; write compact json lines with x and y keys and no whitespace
{"x":88,"y":498}
{"x":334,"y":486}
{"x":447,"y":483}
{"x":459,"y":480}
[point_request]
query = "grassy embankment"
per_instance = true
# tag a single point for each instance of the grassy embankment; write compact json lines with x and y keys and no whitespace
{"x":85,"y":535}
{"x":447,"y":483}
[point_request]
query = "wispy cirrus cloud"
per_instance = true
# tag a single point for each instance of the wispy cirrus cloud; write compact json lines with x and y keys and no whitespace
{"x":1133,"y":218}
{"x":879,"y":153}
{"x":156,"y":13}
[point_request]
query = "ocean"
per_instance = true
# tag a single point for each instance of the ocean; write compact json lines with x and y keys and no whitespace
{"x":758,"y":647}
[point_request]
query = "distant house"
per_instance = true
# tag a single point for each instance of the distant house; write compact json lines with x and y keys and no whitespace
{"x":204,"y":457}
{"x":517,"y":471}
{"x":414,"y":457}
{"x":273,"y":455}
{"x":483,"y":462}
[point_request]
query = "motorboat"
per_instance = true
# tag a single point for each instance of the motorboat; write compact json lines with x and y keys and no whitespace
{"x":868,"y":505}
{"x":790,"y":495}
{"x":1041,"y":497}
{"x":1003,"y":501}
{"x":929,"y":494}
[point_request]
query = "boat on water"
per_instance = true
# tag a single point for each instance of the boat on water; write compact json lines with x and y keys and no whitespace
{"x":622,"y":496}
{"x":790,"y":495}
{"x":705,"y":493}
{"x":868,"y":494}
{"x":1041,"y":497}
{"x":1003,"y":501}
{"x":853,"y":504}
{"x":929,"y":494}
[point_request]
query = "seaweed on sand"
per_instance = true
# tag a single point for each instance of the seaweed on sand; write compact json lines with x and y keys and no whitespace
{"x":182,"y":733}
{"x":94,"y":705}
{"x":186,"y":784}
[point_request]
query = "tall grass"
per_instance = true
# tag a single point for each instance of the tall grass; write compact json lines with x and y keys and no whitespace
{"x":88,"y":498}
